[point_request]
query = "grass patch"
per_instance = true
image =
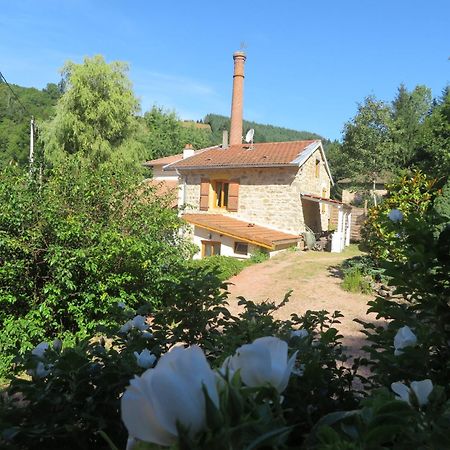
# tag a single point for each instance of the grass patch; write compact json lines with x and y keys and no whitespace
{"x":356,"y":281}
{"x":224,"y":267}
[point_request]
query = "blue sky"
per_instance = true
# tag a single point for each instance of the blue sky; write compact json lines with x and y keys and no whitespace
{"x":308,"y":63}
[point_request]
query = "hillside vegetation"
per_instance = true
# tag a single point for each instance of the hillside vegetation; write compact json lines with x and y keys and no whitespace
{"x":15,"y":121}
{"x":263,"y":133}
{"x":157,"y":133}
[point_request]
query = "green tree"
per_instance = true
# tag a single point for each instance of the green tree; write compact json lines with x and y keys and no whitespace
{"x":409,"y":110}
{"x":263,"y":133}
{"x":434,"y":145}
{"x":367,"y":143}
{"x":96,"y":114}
{"x":164,"y":135}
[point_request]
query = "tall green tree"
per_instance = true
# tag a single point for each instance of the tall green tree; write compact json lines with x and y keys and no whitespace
{"x":96,"y":114}
{"x":367,"y":143}
{"x":409,"y":110}
{"x":434,"y":145}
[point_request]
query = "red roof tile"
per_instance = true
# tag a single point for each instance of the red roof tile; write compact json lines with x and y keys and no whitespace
{"x":164,"y":161}
{"x":174,"y":158}
{"x":244,"y":231}
{"x":256,"y":155}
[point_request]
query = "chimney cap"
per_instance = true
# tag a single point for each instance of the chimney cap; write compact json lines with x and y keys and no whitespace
{"x":239,"y":54}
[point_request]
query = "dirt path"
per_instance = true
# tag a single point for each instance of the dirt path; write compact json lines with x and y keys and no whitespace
{"x":315,"y":282}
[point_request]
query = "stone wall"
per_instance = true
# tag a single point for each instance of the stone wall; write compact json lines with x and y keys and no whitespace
{"x":267,"y":196}
{"x":309,"y":183}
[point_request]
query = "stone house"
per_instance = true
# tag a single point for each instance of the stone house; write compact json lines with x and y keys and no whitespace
{"x":241,"y":197}
{"x":249,"y":196}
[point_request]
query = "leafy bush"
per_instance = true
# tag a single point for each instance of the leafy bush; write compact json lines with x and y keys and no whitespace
{"x":366,"y":265}
{"x":356,"y":281}
{"x":411,"y":194}
{"x":417,"y":262}
{"x":74,"y":403}
{"x":74,"y":248}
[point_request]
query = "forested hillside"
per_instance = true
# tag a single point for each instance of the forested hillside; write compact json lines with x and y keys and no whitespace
{"x":157,"y":133}
{"x":15,"y":118}
{"x":263,"y":133}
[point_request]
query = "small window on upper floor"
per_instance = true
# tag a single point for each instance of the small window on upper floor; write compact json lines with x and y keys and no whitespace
{"x":221,"y":189}
{"x":317,"y":168}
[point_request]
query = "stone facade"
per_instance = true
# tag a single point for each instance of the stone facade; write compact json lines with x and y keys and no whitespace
{"x":269,"y":196}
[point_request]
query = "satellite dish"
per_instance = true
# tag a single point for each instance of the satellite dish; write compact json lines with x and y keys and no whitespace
{"x":249,"y":135}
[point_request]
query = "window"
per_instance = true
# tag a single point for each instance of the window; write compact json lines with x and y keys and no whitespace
{"x":317,"y":168}
{"x":221,"y":189}
{"x":210,"y":248}
{"x":222,"y":194}
{"x":240,"y":248}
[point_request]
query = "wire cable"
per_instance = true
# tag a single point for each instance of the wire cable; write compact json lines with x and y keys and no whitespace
{"x":15,"y":95}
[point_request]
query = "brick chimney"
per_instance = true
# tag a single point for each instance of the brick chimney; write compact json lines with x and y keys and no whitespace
{"x":237,"y":100}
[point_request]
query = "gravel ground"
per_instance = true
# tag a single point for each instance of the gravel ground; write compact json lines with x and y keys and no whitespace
{"x":315,"y":282}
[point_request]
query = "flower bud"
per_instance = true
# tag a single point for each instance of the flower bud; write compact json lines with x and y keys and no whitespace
{"x":145,"y":359}
{"x":404,"y":338}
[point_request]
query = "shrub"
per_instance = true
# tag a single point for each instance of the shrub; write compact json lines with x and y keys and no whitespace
{"x":74,"y":248}
{"x":76,"y":404}
{"x":417,"y":262}
{"x":259,"y":256}
{"x":366,"y":265}
{"x":411,"y":194}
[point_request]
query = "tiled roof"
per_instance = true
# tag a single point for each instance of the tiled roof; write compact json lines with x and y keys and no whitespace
{"x":164,"y":188}
{"x":240,"y":230}
{"x":164,"y":161}
{"x":265,"y":154}
{"x":318,"y":198}
{"x":174,"y":158}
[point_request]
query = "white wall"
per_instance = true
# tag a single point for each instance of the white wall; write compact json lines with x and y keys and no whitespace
{"x":227,"y":243}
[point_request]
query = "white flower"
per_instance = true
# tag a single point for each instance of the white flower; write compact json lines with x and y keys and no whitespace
{"x":420,"y":389}
{"x":404,"y":338}
{"x":145,"y":359}
{"x":301,"y":333}
{"x":299,"y":371}
{"x":40,"y":349}
{"x":395,"y":215}
{"x":171,"y":392}
{"x":147,"y":335}
{"x":137,"y":322}
{"x":40,"y":371}
{"x":263,"y":362}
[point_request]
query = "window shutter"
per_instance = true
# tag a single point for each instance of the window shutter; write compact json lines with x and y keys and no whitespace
{"x":204,"y":194}
{"x":233,"y":195}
